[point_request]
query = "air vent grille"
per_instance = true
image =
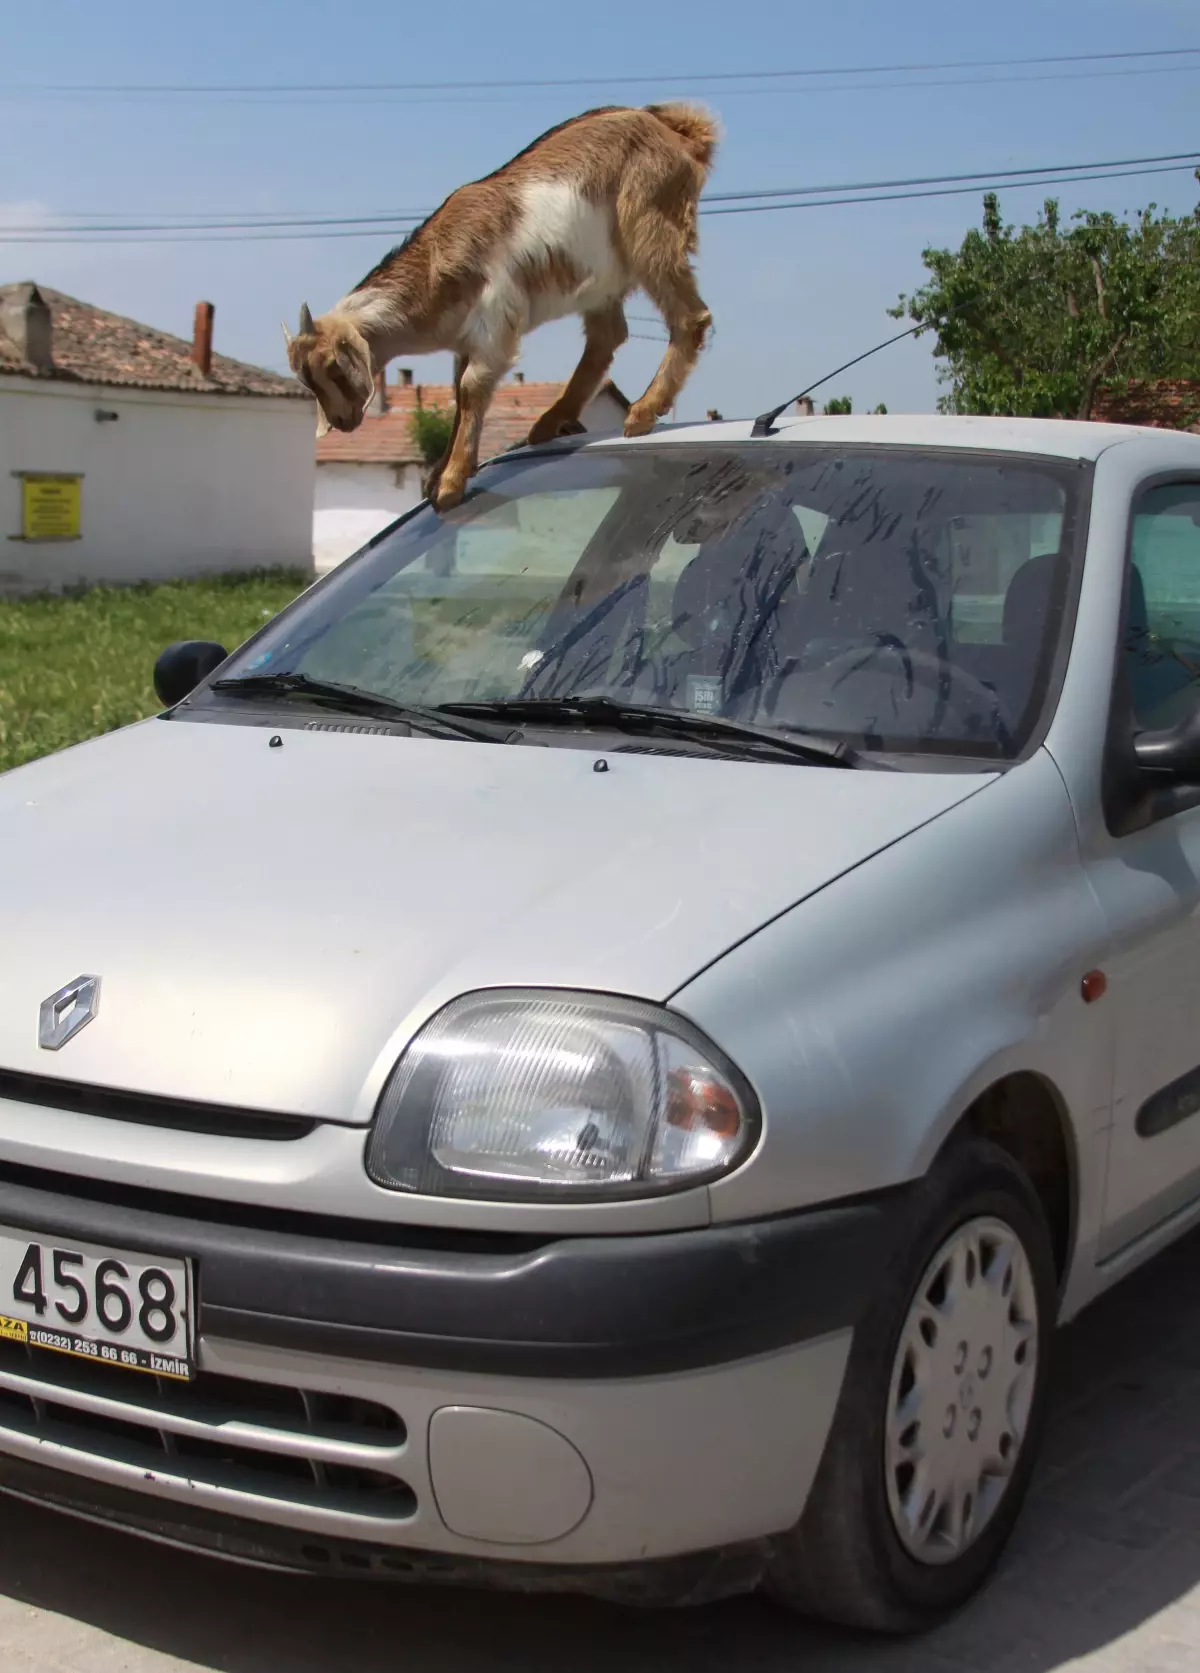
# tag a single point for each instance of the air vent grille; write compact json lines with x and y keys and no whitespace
{"x":360,"y":727}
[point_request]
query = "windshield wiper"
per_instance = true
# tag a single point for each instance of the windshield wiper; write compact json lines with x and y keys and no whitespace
{"x":354,"y":700}
{"x":680,"y":723}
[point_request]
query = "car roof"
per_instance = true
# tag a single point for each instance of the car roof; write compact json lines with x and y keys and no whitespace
{"x":1050,"y":437}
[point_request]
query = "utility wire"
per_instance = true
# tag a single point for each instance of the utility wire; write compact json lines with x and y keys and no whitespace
{"x":950,"y":191}
{"x":696,"y":87}
{"x":248,"y":233}
{"x":770,"y":198}
{"x":205,"y":89}
{"x":950,"y":179}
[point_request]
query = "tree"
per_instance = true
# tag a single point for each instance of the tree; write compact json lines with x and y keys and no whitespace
{"x":843,"y":406}
{"x":1033,"y":322}
{"x":430,"y":429}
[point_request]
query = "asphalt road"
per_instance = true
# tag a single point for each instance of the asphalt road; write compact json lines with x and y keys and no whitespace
{"x":1103,"y":1577}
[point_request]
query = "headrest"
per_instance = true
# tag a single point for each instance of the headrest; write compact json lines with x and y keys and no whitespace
{"x":1028,"y":599}
{"x":738,"y":574}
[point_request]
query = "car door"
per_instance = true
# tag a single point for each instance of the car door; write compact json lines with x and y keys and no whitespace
{"x":1149,"y":883}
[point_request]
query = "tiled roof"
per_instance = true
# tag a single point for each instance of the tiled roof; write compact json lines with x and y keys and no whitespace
{"x":386,"y":438}
{"x":90,"y":345}
{"x":1168,"y":404}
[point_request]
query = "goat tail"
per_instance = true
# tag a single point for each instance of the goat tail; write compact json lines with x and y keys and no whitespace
{"x":698,"y":130}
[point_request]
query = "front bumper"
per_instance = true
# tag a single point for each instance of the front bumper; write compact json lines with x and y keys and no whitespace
{"x":586,"y":1413}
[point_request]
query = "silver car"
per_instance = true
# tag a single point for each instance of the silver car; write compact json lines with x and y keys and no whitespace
{"x":594,"y":1051}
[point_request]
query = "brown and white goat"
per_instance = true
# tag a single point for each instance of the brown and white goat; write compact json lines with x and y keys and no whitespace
{"x":597,"y":208}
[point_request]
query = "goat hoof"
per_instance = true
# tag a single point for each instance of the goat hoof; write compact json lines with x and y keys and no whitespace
{"x":542,"y":431}
{"x":448,"y":494}
{"x":639,"y":423}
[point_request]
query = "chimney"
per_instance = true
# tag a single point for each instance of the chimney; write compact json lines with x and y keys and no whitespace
{"x":202,"y":328}
{"x":25,"y":319}
{"x":804,"y":407}
{"x":378,"y":404}
{"x":406,"y":377}
{"x":714,"y":417}
{"x":518,"y":377}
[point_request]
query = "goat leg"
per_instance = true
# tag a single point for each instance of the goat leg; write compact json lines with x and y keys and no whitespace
{"x":688,"y":320}
{"x":604,"y":332}
{"x":433,"y":476}
{"x":475,"y":388}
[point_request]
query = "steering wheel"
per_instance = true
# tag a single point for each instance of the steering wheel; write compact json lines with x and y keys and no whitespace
{"x":922,"y":668}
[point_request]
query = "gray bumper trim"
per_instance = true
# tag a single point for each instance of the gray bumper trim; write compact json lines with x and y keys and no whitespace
{"x":571,"y":1308}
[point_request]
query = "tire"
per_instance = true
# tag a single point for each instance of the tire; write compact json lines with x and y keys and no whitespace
{"x":846,"y":1560}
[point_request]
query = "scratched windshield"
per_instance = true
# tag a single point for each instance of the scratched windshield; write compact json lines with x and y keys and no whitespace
{"x":902,"y":600}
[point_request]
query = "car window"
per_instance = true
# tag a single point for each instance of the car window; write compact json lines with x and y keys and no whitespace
{"x":906,"y":600}
{"x":986,"y":554}
{"x":1162,"y":635}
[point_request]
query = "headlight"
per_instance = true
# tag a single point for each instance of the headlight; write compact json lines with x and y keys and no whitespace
{"x":536,"y":1094}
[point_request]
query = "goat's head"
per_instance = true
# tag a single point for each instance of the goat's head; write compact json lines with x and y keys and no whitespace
{"x":331,"y":357}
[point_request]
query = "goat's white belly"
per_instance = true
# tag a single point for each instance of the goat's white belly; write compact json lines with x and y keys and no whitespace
{"x":561,"y":230}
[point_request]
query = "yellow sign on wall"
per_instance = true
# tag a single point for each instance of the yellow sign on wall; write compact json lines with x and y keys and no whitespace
{"x":51,"y":507}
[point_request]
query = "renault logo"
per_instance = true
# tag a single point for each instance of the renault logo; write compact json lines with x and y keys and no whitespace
{"x":67,"y":1011}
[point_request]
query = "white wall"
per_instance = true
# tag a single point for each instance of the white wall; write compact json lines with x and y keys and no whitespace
{"x":179,"y":485}
{"x":353,"y":502}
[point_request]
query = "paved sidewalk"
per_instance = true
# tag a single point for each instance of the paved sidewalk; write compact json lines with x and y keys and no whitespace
{"x":1103,"y":1577}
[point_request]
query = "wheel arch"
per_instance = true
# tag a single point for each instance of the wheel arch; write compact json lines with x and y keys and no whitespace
{"x":1025,"y":1114}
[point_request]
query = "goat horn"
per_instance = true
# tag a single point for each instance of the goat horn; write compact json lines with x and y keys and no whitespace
{"x":306,"y":319}
{"x":287,"y":336}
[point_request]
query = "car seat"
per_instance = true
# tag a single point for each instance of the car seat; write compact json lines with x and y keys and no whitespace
{"x":725,"y":613}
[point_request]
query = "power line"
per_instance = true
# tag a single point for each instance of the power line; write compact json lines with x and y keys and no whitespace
{"x":280,"y":102}
{"x":949,"y":191}
{"x":697,"y":88}
{"x":1049,"y":174}
{"x":370,"y":223}
{"x":993,"y":174}
{"x":206,"y":89}
{"x":184,"y":236}
{"x":191,"y":236}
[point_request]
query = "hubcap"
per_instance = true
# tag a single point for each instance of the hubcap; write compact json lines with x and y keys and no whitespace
{"x":961,"y":1391}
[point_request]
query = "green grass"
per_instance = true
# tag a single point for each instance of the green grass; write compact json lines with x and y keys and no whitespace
{"x":76,"y":666}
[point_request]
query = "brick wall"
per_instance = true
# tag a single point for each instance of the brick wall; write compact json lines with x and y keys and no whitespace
{"x":1168,"y":404}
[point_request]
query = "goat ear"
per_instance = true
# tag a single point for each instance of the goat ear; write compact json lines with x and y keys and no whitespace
{"x":306,"y":320}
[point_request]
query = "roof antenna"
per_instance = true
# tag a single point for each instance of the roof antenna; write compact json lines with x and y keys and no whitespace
{"x":764,"y":424}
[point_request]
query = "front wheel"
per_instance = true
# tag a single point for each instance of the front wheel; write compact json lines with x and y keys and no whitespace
{"x":937,"y":1429}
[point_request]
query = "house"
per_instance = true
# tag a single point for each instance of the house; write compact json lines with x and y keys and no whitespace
{"x":127,"y":454}
{"x":367,"y":478}
{"x":1165,"y":404}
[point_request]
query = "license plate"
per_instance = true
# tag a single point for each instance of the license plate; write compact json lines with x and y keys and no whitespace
{"x":107,"y":1305}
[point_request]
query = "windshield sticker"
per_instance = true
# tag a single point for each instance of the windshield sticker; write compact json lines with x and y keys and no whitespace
{"x":704,"y":693}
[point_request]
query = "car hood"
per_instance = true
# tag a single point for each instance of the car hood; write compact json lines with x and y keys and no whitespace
{"x":270,"y":924}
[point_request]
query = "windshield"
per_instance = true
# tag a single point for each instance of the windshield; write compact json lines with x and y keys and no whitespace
{"x":900,"y":600}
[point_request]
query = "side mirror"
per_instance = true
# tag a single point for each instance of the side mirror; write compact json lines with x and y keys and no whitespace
{"x":182,"y":666}
{"x":1175,"y":751}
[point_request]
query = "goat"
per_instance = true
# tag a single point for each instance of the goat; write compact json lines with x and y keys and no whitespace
{"x":598,"y":207}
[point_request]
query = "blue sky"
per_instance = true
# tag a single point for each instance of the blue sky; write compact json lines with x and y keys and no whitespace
{"x":793,"y":293}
